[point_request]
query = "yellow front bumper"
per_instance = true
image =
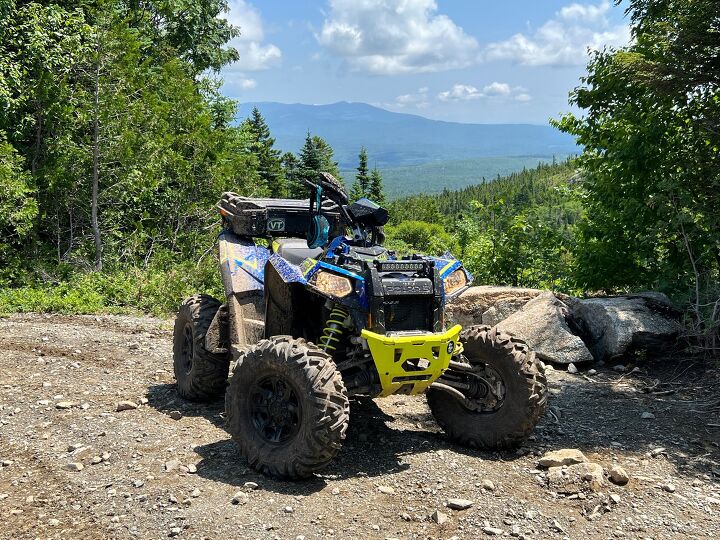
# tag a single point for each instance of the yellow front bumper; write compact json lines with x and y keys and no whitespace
{"x":396,"y":358}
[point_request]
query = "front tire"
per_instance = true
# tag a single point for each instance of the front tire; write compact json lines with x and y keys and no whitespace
{"x":514,"y":398}
{"x":287,"y":407}
{"x":200,"y":374}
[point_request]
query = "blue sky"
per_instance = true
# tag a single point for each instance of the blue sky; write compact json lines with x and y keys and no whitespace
{"x":484,"y":61}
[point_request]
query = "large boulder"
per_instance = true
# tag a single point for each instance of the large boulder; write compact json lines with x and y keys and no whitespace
{"x":615,"y":326}
{"x":542,"y":324}
{"x":502,"y":309}
{"x":471,"y":306}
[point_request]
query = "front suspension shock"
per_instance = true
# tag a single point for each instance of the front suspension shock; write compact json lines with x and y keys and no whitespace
{"x":335,"y":328}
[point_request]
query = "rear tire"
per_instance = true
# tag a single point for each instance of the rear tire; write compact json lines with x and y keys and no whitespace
{"x":287,"y":407}
{"x":200,"y":374}
{"x":510,"y":421}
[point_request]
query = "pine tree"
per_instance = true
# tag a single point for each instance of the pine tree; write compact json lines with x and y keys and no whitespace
{"x":291,"y":171}
{"x":376,"y":191}
{"x":309,"y":161}
{"x":327,"y":157}
{"x":316,"y":156}
{"x":269,"y":165}
{"x":362,"y":180}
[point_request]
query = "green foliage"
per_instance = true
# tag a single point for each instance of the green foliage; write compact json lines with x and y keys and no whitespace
{"x":18,"y":210}
{"x":415,"y":208}
{"x":327,"y":158}
{"x":524,"y":249}
{"x":269,"y":163}
{"x":518,"y":230}
{"x":291,"y":171}
{"x":315,"y":156}
{"x":157,"y":289}
{"x":376,"y":191}
{"x":116,"y":98}
{"x":455,"y":174}
{"x":362,"y":180}
{"x":651,"y":133}
{"x":419,"y":237}
{"x":652,"y":152}
{"x":367,"y":183}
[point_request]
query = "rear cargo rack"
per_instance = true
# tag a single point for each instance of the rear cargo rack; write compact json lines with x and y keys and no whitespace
{"x":255,"y":217}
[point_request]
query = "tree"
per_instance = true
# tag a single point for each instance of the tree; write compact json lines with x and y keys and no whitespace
{"x":651,"y":139}
{"x":361,"y":184}
{"x":376,"y":191}
{"x":316,"y":156}
{"x":291,"y":170}
{"x":327,"y":157}
{"x":415,"y":208}
{"x":309,"y":161}
{"x":18,"y":209}
{"x":419,"y":237}
{"x":121,"y":136}
{"x":269,"y":164}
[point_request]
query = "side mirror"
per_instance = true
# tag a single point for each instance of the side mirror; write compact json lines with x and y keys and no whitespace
{"x":367,"y":213}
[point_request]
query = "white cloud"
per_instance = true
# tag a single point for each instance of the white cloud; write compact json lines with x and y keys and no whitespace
{"x":460,"y":92}
{"x":497,"y":90}
{"x":247,"y":84}
{"x":417,"y":99}
{"x":389,"y":37}
{"x":254,"y":54}
{"x":563,"y":40}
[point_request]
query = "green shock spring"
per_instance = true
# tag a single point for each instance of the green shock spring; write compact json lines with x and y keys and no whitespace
{"x":334,"y":329}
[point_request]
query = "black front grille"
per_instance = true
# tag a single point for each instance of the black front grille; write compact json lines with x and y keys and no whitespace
{"x":408,"y":313}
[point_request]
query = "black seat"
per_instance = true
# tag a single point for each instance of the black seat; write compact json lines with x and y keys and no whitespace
{"x":296,"y":250}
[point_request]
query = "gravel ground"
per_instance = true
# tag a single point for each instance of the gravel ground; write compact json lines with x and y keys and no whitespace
{"x":62,"y":378}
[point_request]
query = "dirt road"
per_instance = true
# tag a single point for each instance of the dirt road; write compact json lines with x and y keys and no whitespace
{"x":61,"y":379}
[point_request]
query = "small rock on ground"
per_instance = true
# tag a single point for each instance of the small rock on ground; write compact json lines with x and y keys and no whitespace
{"x":439,"y":517}
{"x":618,"y":475}
{"x":488,"y":485}
{"x":558,"y":458}
{"x":459,"y":504}
{"x":126,"y":406}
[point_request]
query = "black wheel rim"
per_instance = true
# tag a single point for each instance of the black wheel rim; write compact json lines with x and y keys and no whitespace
{"x":186,"y":352}
{"x":483,"y":386}
{"x":486,"y":390}
{"x":275,"y":409}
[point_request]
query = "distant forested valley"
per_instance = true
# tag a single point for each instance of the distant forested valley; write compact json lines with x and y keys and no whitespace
{"x":116,"y":142}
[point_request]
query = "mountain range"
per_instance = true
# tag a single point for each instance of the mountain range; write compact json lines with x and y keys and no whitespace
{"x":397,"y":139}
{"x":415,"y":154}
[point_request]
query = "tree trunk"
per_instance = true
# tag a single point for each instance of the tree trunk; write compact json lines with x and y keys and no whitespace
{"x":96,"y":170}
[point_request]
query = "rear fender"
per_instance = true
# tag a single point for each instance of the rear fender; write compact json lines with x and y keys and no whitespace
{"x":242,"y":263}
{"x":242,"y":267}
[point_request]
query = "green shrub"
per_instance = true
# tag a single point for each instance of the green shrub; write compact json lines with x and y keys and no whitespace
{"x":419,"y":236}
{"x":156,"y":290}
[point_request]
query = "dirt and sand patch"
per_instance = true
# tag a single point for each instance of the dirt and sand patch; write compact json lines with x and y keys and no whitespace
{"x":168,"y":468}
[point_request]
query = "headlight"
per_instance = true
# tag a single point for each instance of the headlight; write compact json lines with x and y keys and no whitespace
{"x":456,"y":280}
{"x":333,"y":284}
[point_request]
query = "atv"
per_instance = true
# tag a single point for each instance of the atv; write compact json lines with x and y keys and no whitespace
{"x":317,"y":311}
